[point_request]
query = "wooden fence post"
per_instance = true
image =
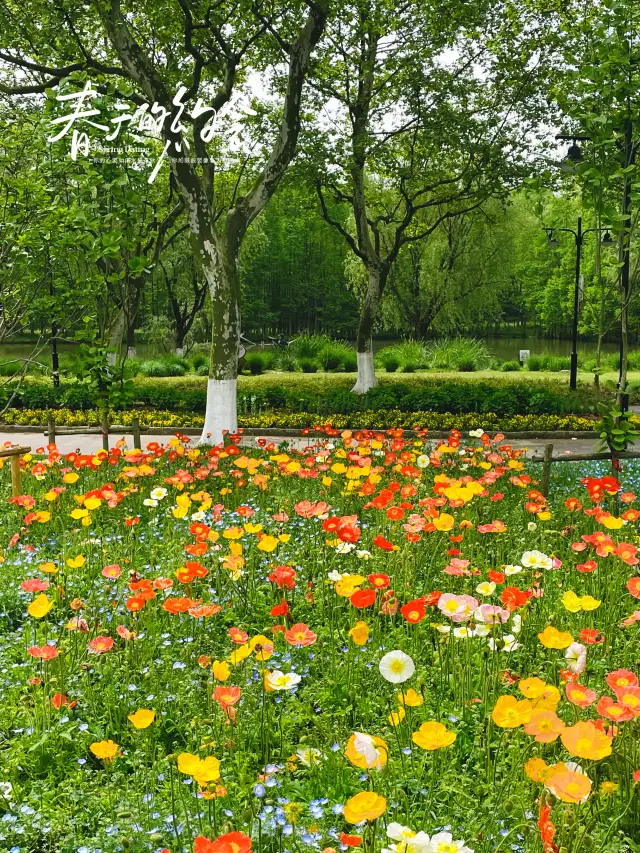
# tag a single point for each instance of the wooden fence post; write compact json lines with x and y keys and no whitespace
{"x":546,"y":469}
{"x":135,"y":431}
{"x":16,"y":485}
{"x":51,"y":430}
{"x":105,"y":430}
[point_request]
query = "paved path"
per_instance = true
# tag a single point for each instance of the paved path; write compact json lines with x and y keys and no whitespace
{"x":93,"y":443}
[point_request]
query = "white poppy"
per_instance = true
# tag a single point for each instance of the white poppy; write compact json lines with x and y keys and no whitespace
{"x":396,"y":667}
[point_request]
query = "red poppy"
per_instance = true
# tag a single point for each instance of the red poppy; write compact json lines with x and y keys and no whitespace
{"x":232,"y":842}
{"x":202,"y":611}
{"x":591,"y":637}
{"x":622,"y":678}
{"x":380,"y":581}
{"x":34,"y":585}
{"x":198,"y":569}
{"x":496,"y":577}
{"x":586,"y":568}
{"x":513,"y":598}
{"x":395,"y":513}
{"x":547,"y":830}
{"x":197,"y":550}
{"x":362,"y":598}
{"x":281,"y":609}
{"x":135,"y":603}
{"x":284,"y":577}
{"x":431,"y":598}
{"x":573,"y":504}
{"x":350,"y":840}
{"x":348,"y":532}
{"x":238,"y":636}
{"x":178,"y":605}
{"x":226,"y":696}
{"x":414,"y":611}
{"x":59,"y":699}
{"x":384,"y":544}
{"x":43,"y":652}
{"x":99,"y":645}
{"x":633,"y":585}
{"x":611,"y":710}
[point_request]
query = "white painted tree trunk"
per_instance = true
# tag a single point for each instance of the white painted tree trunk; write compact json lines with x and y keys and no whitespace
{"x":221,"y":271}
{"x":180,"y":351}
{"x":221,"y":414}
{"x":132,"y":352}
{"x":366,"y":373}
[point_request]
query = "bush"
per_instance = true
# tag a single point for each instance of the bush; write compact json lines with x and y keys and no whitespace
{"x":255,"y":363}
{"x":510,"y":366}
{"x":330,"y":394}
{"x":534,"y":363}
{"x":334,"y":354}
{"x":450,"y":353}
{"x":466,"y":367}
{"x":308,"y":346}
{"x":350,"y":363}
{"x":166,"y":366}
{"x":391,"y":363}
{"x":10,"y":368}
{"x":198,"y":359}
{"x":409,"y":356}
{"x":308,"y":365}
{"x":286,"y":361}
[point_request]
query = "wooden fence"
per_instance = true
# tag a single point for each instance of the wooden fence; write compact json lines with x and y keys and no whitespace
{"x":134,"y":430}
{"x":548,"y":459}
{"x":14,"y":453}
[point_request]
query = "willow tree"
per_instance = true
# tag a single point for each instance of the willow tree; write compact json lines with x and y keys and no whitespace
{"x":427,"y":107}
{"x":160,"y":57}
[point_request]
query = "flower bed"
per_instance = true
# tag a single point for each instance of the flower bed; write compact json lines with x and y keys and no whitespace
{"x":380,"y":419}
{"x":327,"y":394}
{"x":380,"y":644}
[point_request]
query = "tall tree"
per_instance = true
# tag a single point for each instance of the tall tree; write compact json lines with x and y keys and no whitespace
{"x":600,"y":96}
{"x":142,"y":53}
{"x":423,"y":128}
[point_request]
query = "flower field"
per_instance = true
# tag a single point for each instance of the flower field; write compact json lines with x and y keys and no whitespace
{"x":378,"y":643}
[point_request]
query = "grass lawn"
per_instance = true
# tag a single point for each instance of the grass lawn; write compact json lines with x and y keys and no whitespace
{"x":518,"y":376}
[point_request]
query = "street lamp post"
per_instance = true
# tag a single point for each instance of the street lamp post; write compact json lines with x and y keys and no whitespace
{"x":572,"y":159}
{"x":579,"y":235}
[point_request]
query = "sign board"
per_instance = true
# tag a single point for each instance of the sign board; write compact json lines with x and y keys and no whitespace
{"x":525,"y":354}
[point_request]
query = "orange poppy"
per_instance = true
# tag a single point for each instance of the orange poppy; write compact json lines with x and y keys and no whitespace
{"x":545,"y":726}
{"x":300,"y":635}
{"x":584,"y":740}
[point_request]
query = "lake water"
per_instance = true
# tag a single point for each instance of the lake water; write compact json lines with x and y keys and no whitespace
{"x":506,"y":348}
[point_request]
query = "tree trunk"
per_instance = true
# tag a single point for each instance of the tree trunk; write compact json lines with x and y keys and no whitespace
{"x":222,"y":276}
{"x":116,"y":334}
{"x":364,"y":345}
{"x":131,"y":339}
{"x":602,"y":300}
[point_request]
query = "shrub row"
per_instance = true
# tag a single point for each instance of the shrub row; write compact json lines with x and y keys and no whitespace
{"x":380,"y":419}
{"x":329,"y":394}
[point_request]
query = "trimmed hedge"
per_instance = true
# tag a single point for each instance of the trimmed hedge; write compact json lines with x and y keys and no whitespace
{"x":382,"y":419}
{"x":330,"y":394}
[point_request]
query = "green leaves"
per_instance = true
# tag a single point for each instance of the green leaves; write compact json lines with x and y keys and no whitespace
{"x":615,"y":429}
